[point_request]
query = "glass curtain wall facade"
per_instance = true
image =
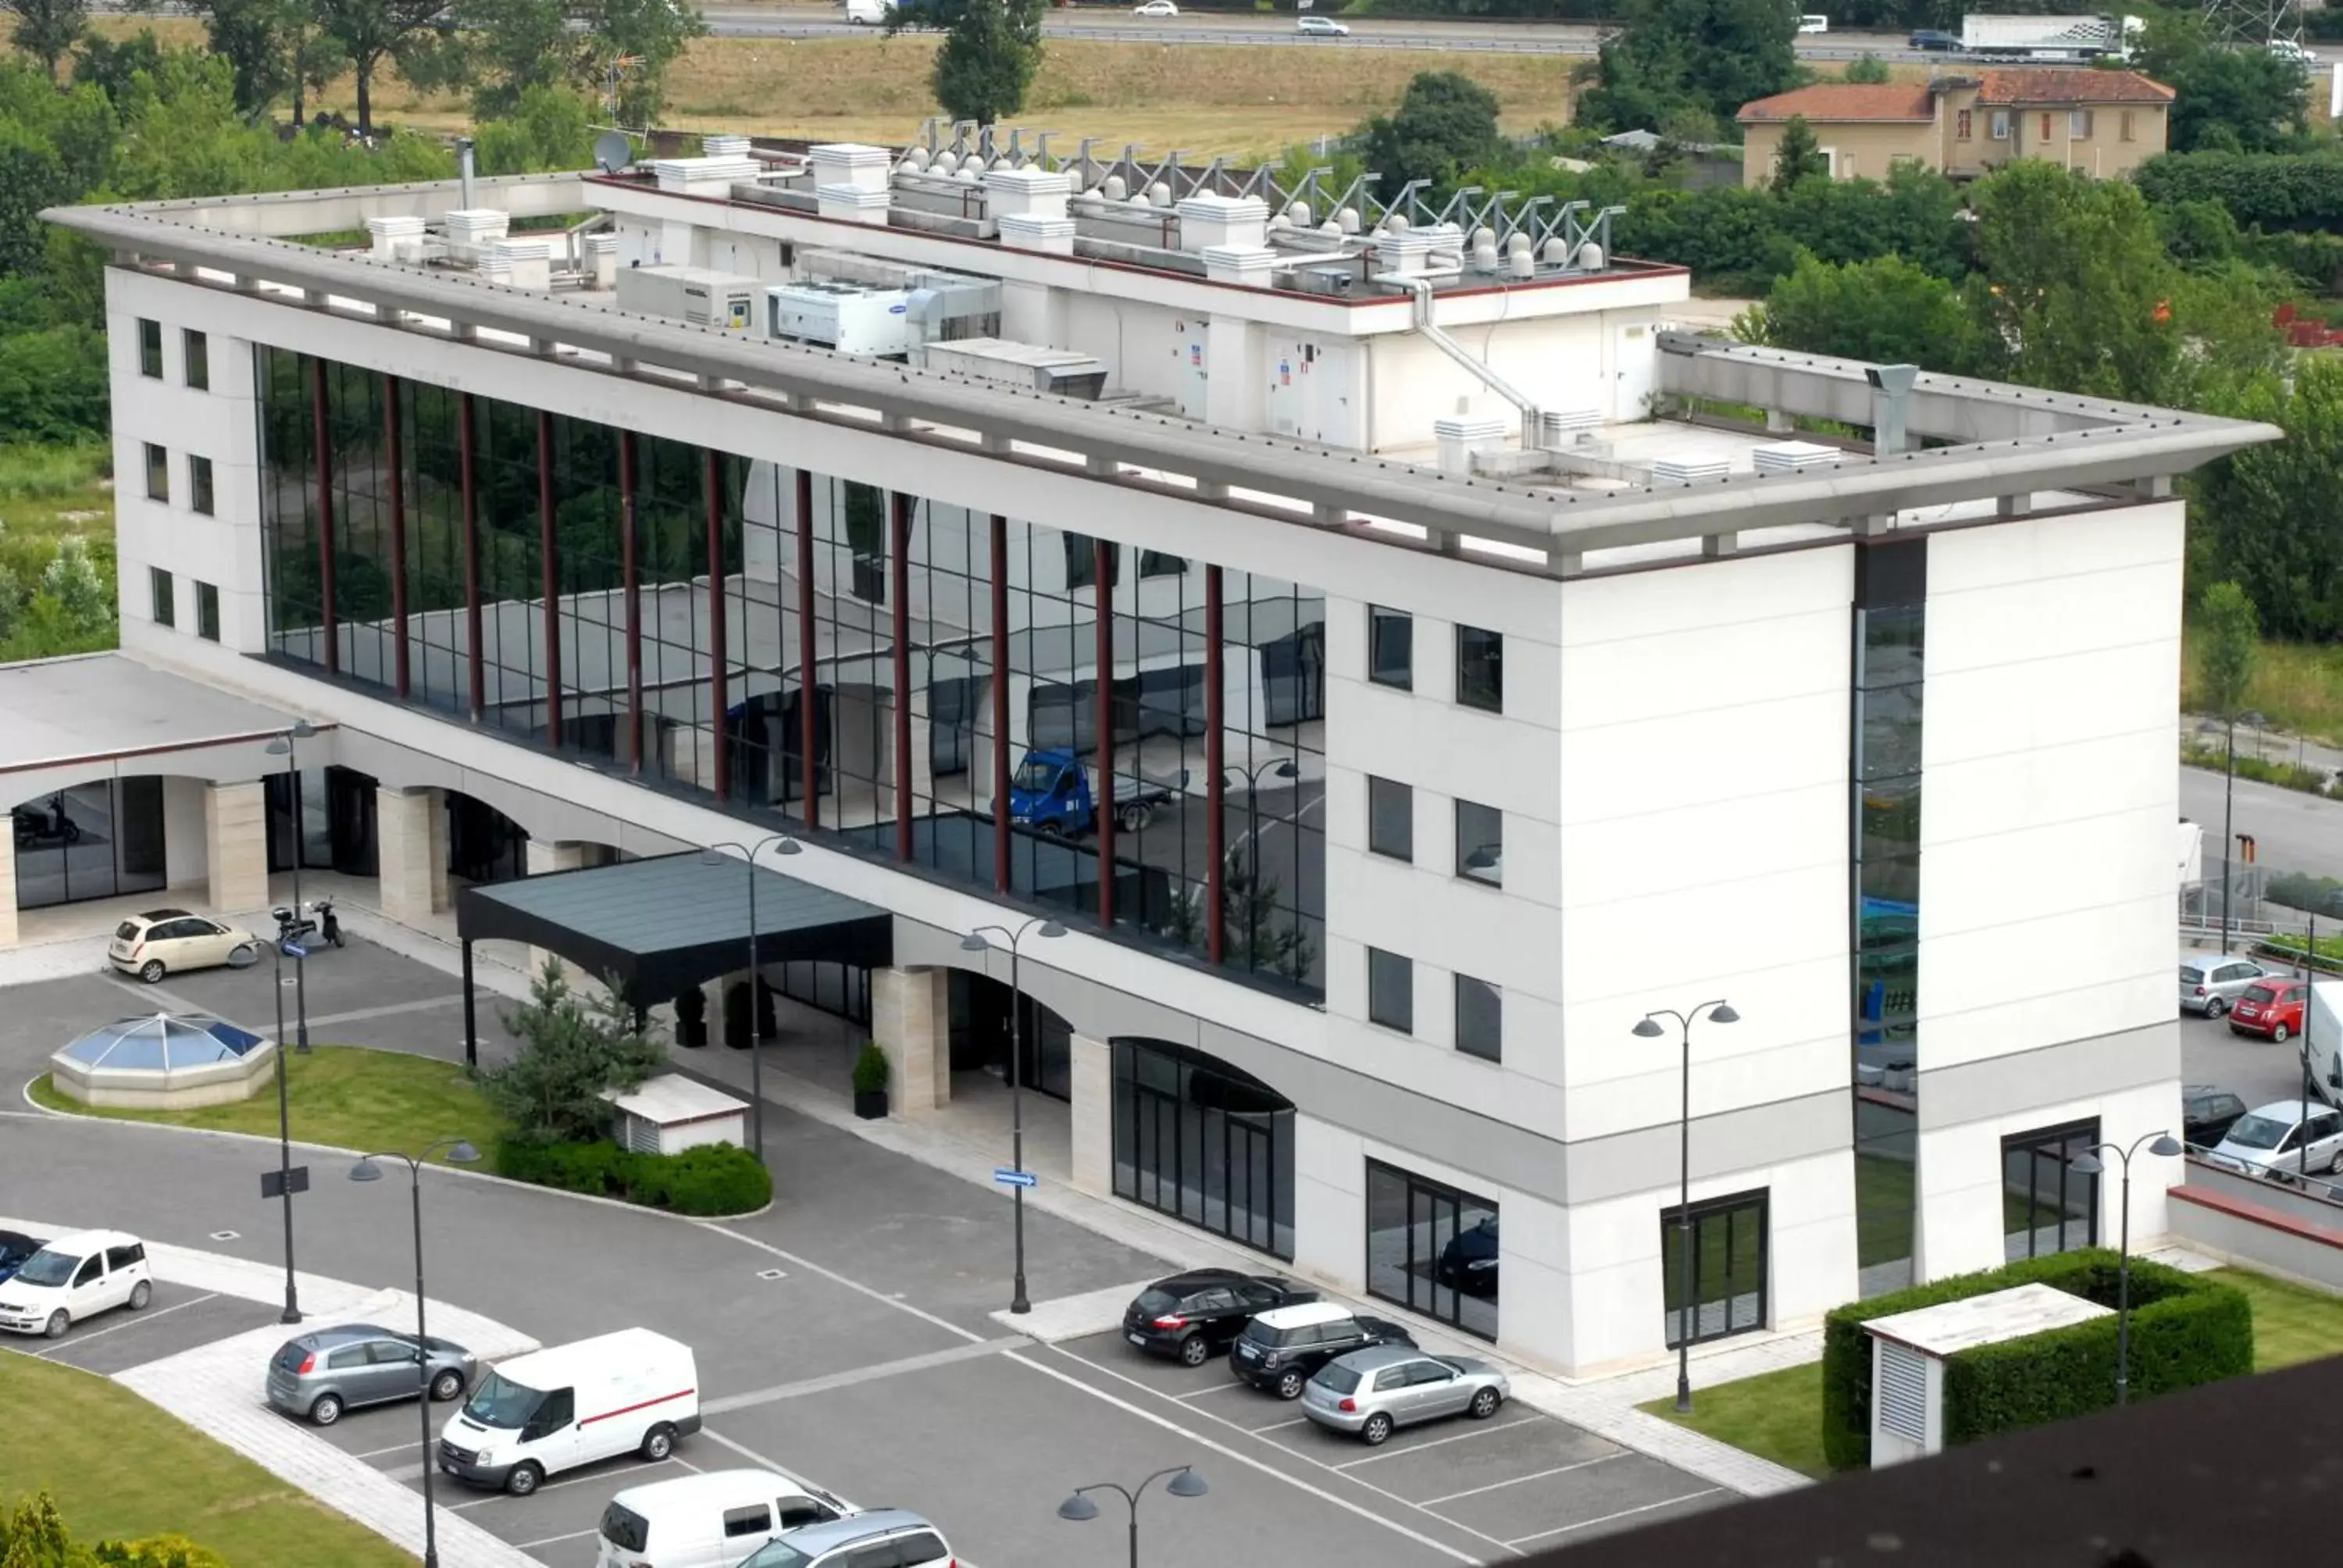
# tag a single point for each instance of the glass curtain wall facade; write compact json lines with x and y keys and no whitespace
{"x":650,"y":608}
{"x":1432,"y":1249}
{"x":1889,"y":636}
{"x":1205,"y":1142}
{"x":94,"y":840}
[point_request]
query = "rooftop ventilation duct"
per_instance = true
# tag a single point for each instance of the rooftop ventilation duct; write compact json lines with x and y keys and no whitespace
{"x":1891,"y":398}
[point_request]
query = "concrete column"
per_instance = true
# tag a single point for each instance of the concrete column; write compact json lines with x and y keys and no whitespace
{"x":236,"y":846}
{"x":414,"y":877}
{"x":910,"y":1017}
{"x":7,"y":890}
{"x":552,"y":854}
{"x":1092,"y":1118}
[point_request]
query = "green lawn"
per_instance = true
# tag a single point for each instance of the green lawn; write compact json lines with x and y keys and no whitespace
{"x":121,"y":1468}
{"x":1776,"y":1416}
{"x":339,"y":1094}
{"x":2292,"y":1324}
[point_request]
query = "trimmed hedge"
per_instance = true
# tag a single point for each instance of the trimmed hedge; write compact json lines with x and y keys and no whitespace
{"x":2185,"y":1331}
{"x":715,"y":1179}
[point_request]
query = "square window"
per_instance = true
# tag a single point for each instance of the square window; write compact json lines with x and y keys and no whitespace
{"x":198,"y":349}
{"x":1999,"y":129}
{"x":2078,"y":125}
{"x":199,"y":483}
{"x":1961,"y":123}
{"x":1481,"y":669}
{"x":1390,"y":991}
{"x":1391,"y":648}
{"x":150,"y":348}
{"x":2128,"y":129}
{"x":159,"y":586}
{"x":207,"y":612}
{"x":1480,"y":1019}
{"x":1480,"y":843}
{"x":158,"y":473}
{"x":1391,"y":819}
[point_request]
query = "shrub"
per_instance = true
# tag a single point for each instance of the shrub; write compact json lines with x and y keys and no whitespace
{"x":736,"y":1015}
{"x":871,"y":1068}
{"x":591,"y":1168}
{"x":713,"y":1180}
{"x":2184,"y":1332}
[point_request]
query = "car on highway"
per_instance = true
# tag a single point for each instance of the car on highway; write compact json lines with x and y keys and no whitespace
{"x":2272,"y":1138}
{"x":1194,"y":1316}
{"x":708,"y":1521}
{"x":2207,"y":1115}
{"x":75,"y":1276}
{"x":1929,"y":40}
{"x":894,"y":1537}
{"x":1811,"y":23}
{"x":1320,"y":27}
{"x":14,"y":1247}
{"x":172,"y":942}
{"x":1468,"y":1261}
{"x":2271,"y":1007}
{"x":1156,"y":8}
{"x":1371,"y":1393}
{"x":2209,"y":982}
{"x":2287,"y":49}
{"x":1283,"y":1347}
{"x":320,"y":1374}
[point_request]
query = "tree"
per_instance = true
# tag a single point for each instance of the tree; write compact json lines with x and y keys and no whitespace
{"x":48,"y":29}
{"x":368,"y":32}
{"x":506,"y":48}
{"x":108,"y":66}
{"x":2267,"y":517}
{"x":548,"y":128}
{"x":83,"y":600}
{"x":1445,"y":123}
{"x":991,"y":51}
{"x":2228,"y":644}
{"x":262,"y":42}
{"x":1706,"y":56}
{"x":1798,"y":156}
{"x":2224,"y":98}
{"x":571,"y":1051}
{"x":1867,"y":70}
{"x":1255,"y":932}
{"x":1884,"y":309}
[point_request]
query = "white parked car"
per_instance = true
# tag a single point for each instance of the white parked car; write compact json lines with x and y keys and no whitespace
{"x":710,"y":1521}
{"x":171,"y":941}
{"x":2269,"y":1139}
{"x":1156,"y":8}
{"x":633,"y":1391}
{"x":73,"y":1278}
{"x":1322,"y":27}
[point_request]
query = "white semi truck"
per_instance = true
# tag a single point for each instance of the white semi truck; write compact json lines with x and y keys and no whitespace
{"x":2048,"y":39}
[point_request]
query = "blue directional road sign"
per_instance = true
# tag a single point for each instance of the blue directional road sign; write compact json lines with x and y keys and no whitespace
{"x":1014,"y":1178}
{"x":296,"y":950}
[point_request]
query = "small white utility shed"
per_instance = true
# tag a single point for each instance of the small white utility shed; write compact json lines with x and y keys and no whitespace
{"x":1908,"y":1352}
{"x":671,"y":1113}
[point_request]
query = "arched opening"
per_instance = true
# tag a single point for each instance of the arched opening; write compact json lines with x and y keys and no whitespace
{"x":483,"y":845}
{"x":98,"y":840}
{"x":1204,"y":1142}
{"x":983,"y":1026}
{"x":325,"y":817}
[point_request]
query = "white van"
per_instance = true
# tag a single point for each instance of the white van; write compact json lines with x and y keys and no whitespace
{"x":633,"y":1391}
{"x":868,"y":13}
{"x":75,"y":1276}
{"x":1814,"y":23}
{"x":711,"y":1521}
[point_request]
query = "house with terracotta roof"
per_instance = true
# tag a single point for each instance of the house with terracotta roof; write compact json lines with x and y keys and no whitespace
{"x":2104,"y":123}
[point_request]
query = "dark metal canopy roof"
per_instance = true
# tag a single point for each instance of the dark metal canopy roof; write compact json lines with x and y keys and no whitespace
{"x":657,"y":926}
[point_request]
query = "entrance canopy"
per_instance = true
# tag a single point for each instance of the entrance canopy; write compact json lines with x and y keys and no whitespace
{"x":658,"y":926}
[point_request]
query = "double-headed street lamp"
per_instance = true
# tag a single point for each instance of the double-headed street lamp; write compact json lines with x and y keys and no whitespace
{"x":977,"y":941}
{"x":1277,"y":768}
{"x":288,"y":747}
{"x":2089,"y":1164}
{"x":1185,"y":1482}
{"x":292,"y":1313}
{"x":365,"y":1169}
{"x":780,"y":843}
{"x":1648,"y":1027}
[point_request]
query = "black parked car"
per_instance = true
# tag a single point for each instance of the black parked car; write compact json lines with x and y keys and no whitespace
{"x":1283,"y":1348}
{"x":1930,"y":40}
{"x":1468,"y":1261}
{"x":2206,"y":1114}
{"x":1194,"y":1316}
{"x":14,"y":1247}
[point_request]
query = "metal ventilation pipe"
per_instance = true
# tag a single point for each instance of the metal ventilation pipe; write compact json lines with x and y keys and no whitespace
{"x":1891,"y":396}
{"x":464,"y":170}
{"x":1420,"y":285}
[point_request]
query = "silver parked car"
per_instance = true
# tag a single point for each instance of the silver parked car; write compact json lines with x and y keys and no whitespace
{"x":2210,"y":983}
{"x":1370,"y":1392}
{"x":325,"y":1372}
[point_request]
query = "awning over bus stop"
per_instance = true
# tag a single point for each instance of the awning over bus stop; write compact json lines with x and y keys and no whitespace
{"x":657,"y":927}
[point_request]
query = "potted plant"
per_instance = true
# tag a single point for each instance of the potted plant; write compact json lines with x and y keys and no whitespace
{"x":769,"y":1023}
{"x":736,"y":1015}
{"x":870,"y":1082}
{"x":691,"y":1016}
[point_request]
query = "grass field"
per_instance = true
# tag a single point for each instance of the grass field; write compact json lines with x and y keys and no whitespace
{"x":339,"y":1094}
{"x":2299,"y":687}
{"x":47,"y":493}
{"x":2292,"y":1324}
{"x":120,"y":1468}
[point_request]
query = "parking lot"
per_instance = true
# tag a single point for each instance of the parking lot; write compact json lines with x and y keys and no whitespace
{"x":2255,"y":1069}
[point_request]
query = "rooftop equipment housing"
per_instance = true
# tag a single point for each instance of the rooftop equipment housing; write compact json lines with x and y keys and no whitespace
{"x":693,"y":293}
{"x":1022,"y":364}
{"x":848,"y":317}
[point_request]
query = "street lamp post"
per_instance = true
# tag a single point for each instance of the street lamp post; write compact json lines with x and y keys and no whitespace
{"x":1078,"y":1507}
{"x":2089,"y":1164}
{"x":714,"y":856}
{"x":976,"y":941}
{"x":365,"y":1169}
{"x":1648,"y":1027}
{"x":288,"y":747}
{"x":292,"y":1313}
{"x":1280,"y":766}
{"x":2230,"y":827}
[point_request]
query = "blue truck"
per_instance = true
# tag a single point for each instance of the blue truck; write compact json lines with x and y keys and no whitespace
{"x":1055,"y":794}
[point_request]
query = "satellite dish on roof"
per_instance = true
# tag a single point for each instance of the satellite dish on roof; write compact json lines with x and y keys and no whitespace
{"x":613,"y":151}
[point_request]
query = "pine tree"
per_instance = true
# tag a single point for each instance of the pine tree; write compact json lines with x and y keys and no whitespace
{"x":988,"y":59}
{"x":571,"y":1051}
{"x":1799,"y":156}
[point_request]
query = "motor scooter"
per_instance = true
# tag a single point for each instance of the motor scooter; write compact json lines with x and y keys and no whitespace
{"x":298,"y":927}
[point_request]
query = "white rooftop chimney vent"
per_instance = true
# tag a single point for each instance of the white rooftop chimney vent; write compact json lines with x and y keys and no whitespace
{"x":1219,"y":222}
{"x":1521,"y":263}
{"x":945,"y":162}
{"x":1557,"y":252}
{"x":1299,"y":213}
{"x":1114,"y":189}
{"x":1347,"y":220}
{"x":724,"y":147}
{"x":1591,"y":257}
{"x":1159,"y":195}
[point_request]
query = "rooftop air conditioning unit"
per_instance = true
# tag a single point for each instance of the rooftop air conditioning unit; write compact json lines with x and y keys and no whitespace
{"x":692,"y":293}
{"x":1334,"y":280}
{"x":843,"y":317}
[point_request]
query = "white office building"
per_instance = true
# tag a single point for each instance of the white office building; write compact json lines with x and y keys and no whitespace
{"x":1449,"y":663}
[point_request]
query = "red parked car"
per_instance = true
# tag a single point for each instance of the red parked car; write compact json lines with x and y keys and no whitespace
{"x":2271,"y":1009}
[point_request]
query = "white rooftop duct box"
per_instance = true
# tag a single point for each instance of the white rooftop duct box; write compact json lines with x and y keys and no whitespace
{"x":1690,"y":467}
{"x":1908,"y":1352}
{"x":388,"y":233}
{"x":602,"y":259}
{"x":529,"y":261}
{"x":852,"y":203}
{"x":1215,"y":221}
{"x":1026,"y":192}
{"x":1406,"y":253}
{"x":1026,"y":231}
{"x":671,"y":1113}
{"x":476,"y":225}
{"x":849,"y":164}
{"x":703,"y":175}
{"x":1459,"y":438}
{"x":1028,"y":365}
{"x":724,"y":147}
{"x":1246,"y":264}
{"x":1794,"y":456}
{"x":693,"y":293}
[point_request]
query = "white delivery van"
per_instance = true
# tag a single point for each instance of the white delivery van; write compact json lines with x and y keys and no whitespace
{"x":711,"y":1521}
{"x":633,"y":1391}
{"x":868,"y":13}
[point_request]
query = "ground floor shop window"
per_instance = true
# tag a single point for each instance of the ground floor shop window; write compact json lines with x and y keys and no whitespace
{"x":96,"y":840}
{"x":1727,"y":1283}
{"x":840,"y":988}
{"x":1204,"y":1142}
{"x":2047,"y":1205}
{"x":1432,"y":1248}
{"x":981,"y":1036}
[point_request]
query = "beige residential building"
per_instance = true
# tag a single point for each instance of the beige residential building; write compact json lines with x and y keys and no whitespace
{"x":2105,"y":123}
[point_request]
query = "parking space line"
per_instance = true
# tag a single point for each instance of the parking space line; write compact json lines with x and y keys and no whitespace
{"x":1516,"y":1481}
{"x":142,"y":1319}
{"x":834,"y":1381}
{"x":394,"y":1448}
{"x":1266,"y":1468}
{"x":834,"y":1277}
{"x":558,"y":1540}
{"x":1481,"y":1431}
{"x":1216,"y":1388}
{"x":1623,"y":1513}
{"x":1280,"y":1425}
